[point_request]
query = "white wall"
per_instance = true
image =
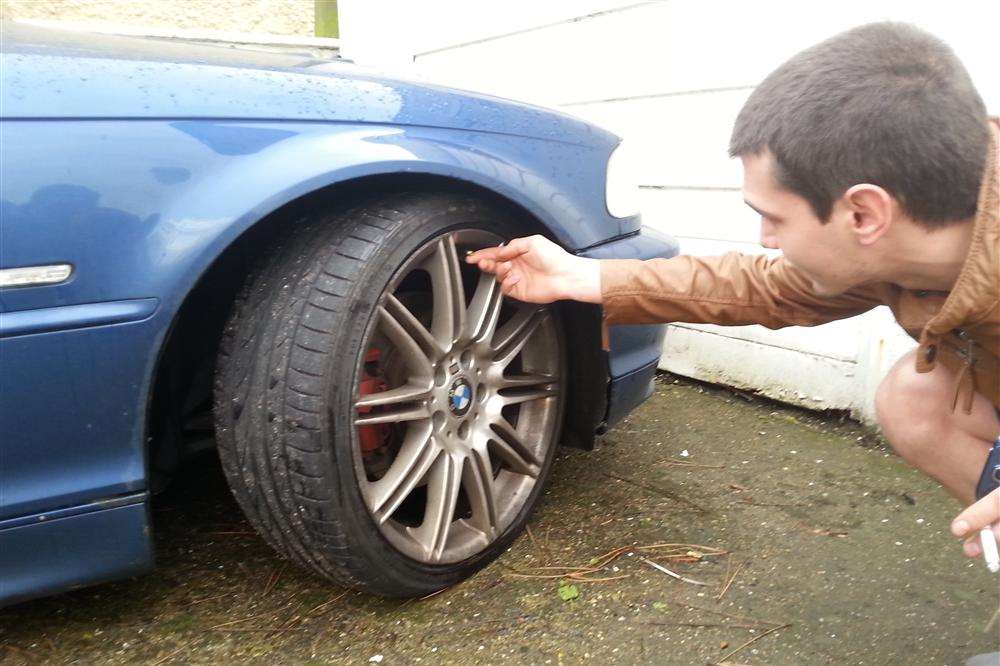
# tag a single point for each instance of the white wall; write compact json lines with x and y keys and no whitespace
{"x":670,"y":77}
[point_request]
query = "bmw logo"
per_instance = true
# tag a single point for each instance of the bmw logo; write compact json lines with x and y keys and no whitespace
{"x":460,"y":397}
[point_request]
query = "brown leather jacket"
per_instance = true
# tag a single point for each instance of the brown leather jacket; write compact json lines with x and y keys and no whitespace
{"x":960,"y":328}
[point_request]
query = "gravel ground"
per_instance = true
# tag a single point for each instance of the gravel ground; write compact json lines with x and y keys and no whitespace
{"x":833,"y":550}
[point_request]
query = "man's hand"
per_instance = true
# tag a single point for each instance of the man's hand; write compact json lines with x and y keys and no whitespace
{"x":984,"y":513}
{"x":536,"y":270}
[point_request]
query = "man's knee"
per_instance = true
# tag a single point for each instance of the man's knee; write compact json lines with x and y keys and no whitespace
{"x":912,"y":407}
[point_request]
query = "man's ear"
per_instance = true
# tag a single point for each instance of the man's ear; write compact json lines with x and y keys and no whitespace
{"x":872,"y":210}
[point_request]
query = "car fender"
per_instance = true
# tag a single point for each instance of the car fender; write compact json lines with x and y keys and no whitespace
{"x":198,"y":226}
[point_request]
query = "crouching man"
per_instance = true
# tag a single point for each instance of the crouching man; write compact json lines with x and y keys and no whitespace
{"x":873,"y":165}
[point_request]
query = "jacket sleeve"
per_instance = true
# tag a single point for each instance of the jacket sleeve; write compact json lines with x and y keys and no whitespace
{"x":730,"y":290}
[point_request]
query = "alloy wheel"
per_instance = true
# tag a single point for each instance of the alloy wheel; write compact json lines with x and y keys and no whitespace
{"x":457,"y":404}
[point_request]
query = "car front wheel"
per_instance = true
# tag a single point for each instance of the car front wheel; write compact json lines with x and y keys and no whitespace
{"x":385,"y":416}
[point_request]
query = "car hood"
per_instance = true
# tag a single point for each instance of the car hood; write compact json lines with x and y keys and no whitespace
{"x":60,"y":74}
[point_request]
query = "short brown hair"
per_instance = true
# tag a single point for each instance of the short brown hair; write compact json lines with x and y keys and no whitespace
{"x":883,"y":103}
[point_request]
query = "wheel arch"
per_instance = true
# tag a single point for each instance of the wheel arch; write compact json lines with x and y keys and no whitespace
{"x":180,"y":384}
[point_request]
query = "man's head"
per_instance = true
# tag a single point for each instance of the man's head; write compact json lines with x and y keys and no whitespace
{"x":876,"y":125}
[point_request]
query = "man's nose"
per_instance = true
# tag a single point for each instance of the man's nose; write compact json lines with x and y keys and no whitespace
{"x":767,"y":237}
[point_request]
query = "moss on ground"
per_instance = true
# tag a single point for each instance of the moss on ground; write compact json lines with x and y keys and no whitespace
{"x":829,"y":533}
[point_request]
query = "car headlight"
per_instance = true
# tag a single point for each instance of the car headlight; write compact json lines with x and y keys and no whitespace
{"x":622,"y":186}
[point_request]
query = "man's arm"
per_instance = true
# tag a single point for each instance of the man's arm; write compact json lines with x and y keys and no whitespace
{"x":731,"y":289}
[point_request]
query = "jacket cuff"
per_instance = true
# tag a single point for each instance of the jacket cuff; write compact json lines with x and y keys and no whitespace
{"x":617,"y":276}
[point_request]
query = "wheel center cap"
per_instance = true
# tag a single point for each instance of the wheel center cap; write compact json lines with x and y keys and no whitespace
{"x":460,"y":397}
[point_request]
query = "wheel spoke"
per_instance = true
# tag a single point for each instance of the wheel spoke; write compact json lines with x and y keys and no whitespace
{"x":400,"y":415}
{"x":525,"y":381}
{"x":511,"y":448}
{"x":518,"y":397}
{"x":448,"y":321}
{"x":415,"y":457}
{"x":484,"y":309}
{"x":477,"y":476}
{"x":414,"y":356}
{"x":514,"y":334}
{"x":401,"y":395}
{"x":443,"y":484}
{"x":413,"y":327}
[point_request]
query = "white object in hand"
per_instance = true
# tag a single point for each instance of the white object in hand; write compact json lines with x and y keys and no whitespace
{"x":990,"y":553}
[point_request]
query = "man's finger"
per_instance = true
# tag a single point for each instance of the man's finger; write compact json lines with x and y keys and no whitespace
{"x":977,"y":516}
{"x":971,"y":547}
{"x":508,"y":285}
{"x":500,"y":253}
{"x":486,"y":254}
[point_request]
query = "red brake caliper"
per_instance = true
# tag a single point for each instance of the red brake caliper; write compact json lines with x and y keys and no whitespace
{"x":372,"y":436}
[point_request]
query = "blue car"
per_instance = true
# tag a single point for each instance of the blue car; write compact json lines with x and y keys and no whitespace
{"x":262,"y":253}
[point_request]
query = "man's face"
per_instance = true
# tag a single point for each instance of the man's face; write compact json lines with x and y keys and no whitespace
{"x":824,"y":252}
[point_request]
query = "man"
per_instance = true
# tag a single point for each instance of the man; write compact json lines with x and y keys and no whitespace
{"x":873,"y":166}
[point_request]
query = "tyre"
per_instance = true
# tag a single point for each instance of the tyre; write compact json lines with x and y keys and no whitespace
{"x":384,"y":415}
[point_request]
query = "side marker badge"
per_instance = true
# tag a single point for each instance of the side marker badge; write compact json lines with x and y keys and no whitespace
{"x":31,"y":276}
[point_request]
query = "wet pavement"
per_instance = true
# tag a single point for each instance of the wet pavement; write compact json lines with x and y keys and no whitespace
{"x":812,"y":541}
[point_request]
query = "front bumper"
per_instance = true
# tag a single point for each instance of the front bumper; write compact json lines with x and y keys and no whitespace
{"x":634,"y":350}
